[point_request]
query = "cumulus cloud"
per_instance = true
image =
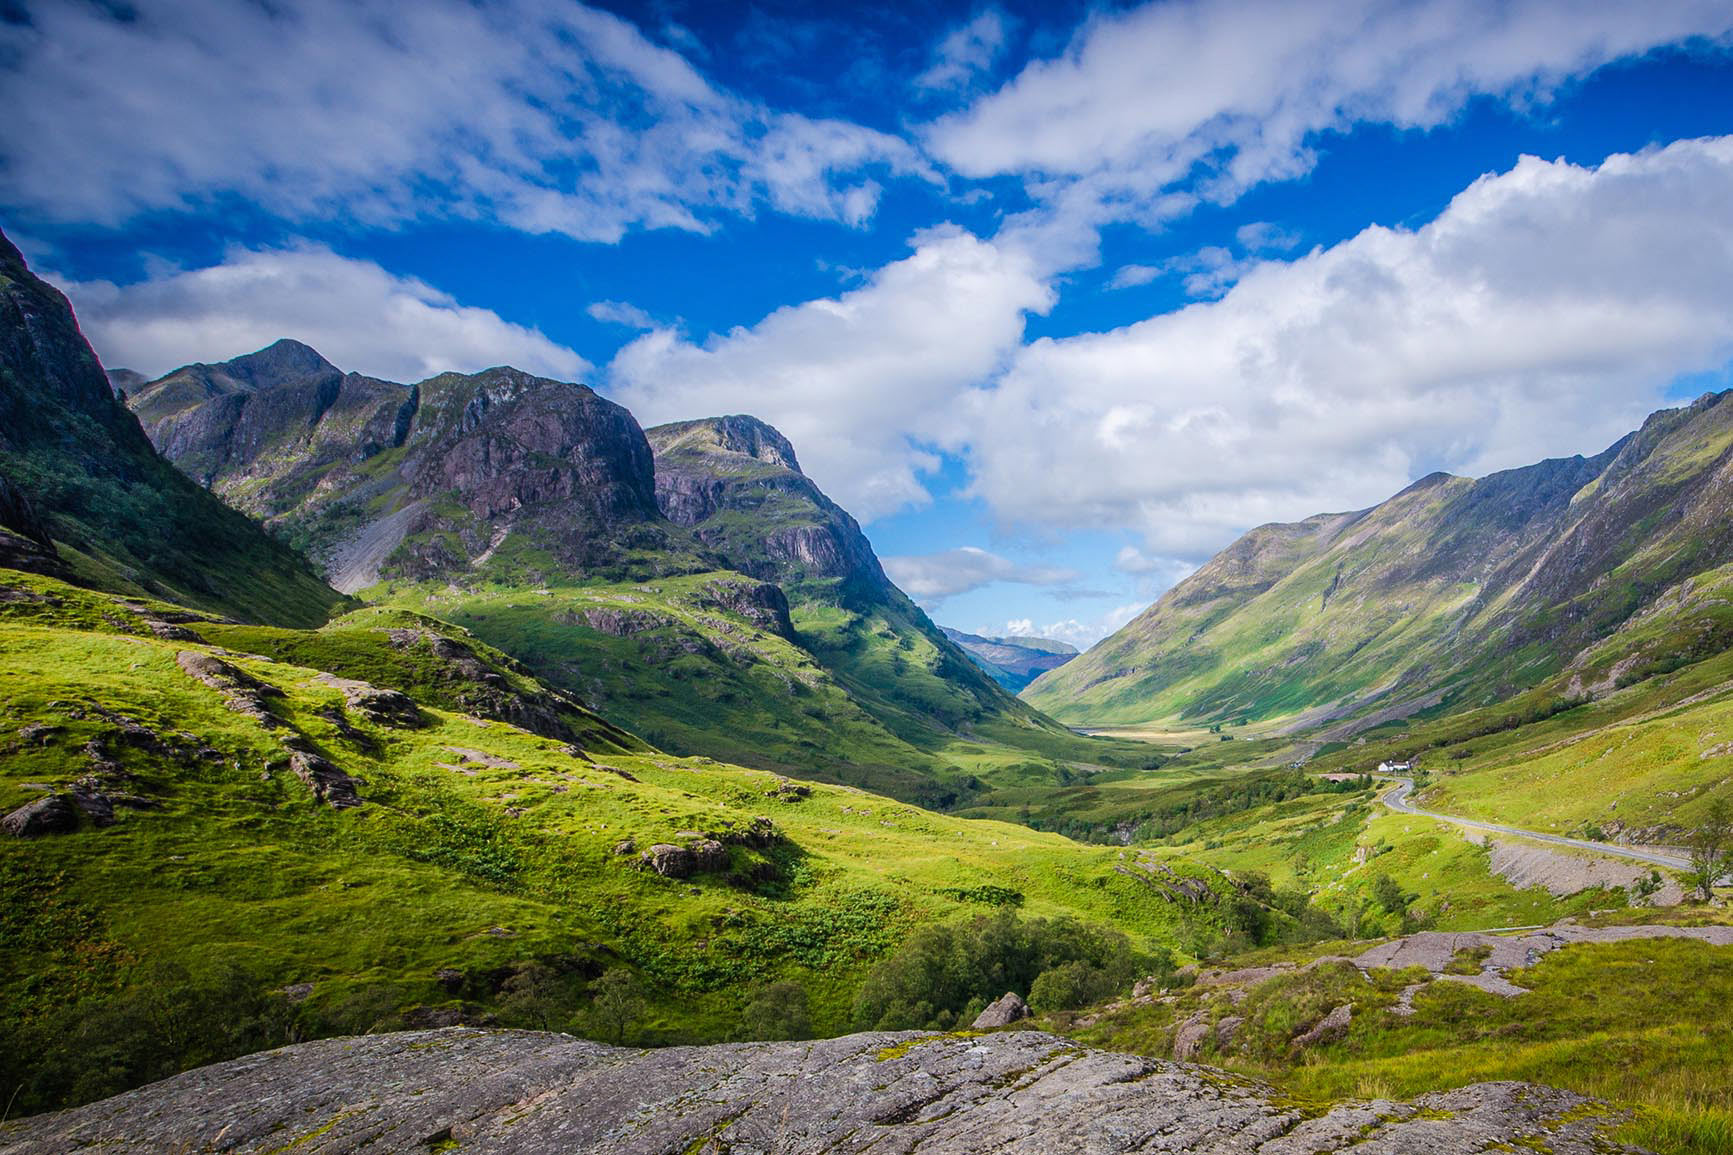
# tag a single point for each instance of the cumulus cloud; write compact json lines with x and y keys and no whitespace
{"x":1081,"y":634}
{"x":966,"y":51}
{"x":866,"y":383}
{"x":931,"y":578}
{"x":545,"y":115}
{"x":361,"y":317}
{"x":1224,"y":94}
{"x":1544,"y":312}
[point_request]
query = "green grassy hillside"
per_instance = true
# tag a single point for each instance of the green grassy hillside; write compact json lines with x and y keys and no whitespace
{"x":482,"y":873}
{"x":1454,"y":592}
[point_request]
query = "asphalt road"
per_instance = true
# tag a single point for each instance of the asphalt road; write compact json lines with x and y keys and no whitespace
{"x":1396,"y":798}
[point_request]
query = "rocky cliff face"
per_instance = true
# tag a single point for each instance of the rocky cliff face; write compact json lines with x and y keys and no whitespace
{"x":1453,"y":590}
{"x":736,"y":483}
{"x":240,"y":422}
{"x":378,"y":479}
{"x":529,"y":1093}
{"x":79,"y":468}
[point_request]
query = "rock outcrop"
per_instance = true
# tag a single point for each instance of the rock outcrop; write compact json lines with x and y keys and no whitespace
{"x":51,"y":814}
{"x":710,"y":472}
{"x":525,"y":1093}
{"x":1008,"y":1008}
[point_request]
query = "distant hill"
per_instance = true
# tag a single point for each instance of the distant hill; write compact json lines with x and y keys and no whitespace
{"x":84,"y":495}
{"x":1013,"y":662}
{"x":1454,"y":593}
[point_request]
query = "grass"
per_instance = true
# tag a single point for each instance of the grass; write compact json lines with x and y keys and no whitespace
{"x":482,"y":848}
{"x":1639,"y":1024}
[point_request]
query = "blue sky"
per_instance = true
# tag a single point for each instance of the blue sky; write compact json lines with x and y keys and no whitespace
{"x":1058,"y":299}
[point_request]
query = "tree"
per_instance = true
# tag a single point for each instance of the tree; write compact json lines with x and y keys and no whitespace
{"x":615,"y":1003}
{"x":1710,"y":844}
{"x":1388,"y":893}
{"x":779,"y":1011}
{"x":531,"y":996}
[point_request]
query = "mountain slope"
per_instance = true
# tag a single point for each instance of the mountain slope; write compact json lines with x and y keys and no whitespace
{"x":736,"y":483}
{"x":1013,"y":662}
{"x":1455,"y":592}
{"x":75,"y":469}
{"x":178,"y":876}
{"x":756,"y":626}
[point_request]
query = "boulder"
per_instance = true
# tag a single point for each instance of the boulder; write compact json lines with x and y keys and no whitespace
{"x":1007,"y":1010}
{"x":54,"y":814}
{"x":1188,"y":1040}
{"x":670,"y":861}
{"x":710,"y":856}
{"x":330,"y":785}
{"x":1328,"y":1029}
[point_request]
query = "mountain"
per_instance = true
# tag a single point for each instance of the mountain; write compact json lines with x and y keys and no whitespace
{"x":691,"y":584}
{"x":1454,"y":593}
{"x":1013,"y":662}
{"x":84,"y":494}
{"x":735,"y":482}
{"x":459,"y":474}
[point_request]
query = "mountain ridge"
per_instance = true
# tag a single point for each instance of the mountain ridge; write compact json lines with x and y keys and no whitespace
{"x":78,"y":471}
{"x":1453,"y":590}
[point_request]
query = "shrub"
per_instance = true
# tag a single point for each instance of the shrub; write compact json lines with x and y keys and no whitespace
{"x":944,"y":970}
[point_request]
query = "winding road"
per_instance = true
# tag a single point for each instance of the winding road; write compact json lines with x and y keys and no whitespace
{"x":1396,"y":798}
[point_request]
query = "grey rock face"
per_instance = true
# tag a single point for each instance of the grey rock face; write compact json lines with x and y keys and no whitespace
{"x":1007,"y":1009}
{"x":526,"y":1093}
{"x":670,"y":861}
{"x":54,"y":814}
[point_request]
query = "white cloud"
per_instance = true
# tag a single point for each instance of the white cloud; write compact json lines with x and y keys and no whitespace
{"x":1543,"y":313}
{"x":931,"y":578}
{"x":1079,"y":633}
{"x":863,"y":383}
{"x":621,"y":313}
{"x":361,"y":317}
{"x":966,"y":52}
{"x":545,"y":115}
{"x":1130,"y":276}
{"x":1220,"y":95}
{"x":1266,"y":236}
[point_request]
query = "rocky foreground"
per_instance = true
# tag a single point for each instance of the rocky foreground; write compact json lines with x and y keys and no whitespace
{"x":526,"y":1092}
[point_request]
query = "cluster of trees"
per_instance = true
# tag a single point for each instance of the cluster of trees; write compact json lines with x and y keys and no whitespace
{"x":1247,"y":793}
{"x":945,"y":975}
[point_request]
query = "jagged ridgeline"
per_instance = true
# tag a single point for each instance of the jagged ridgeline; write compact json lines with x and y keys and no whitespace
{"x":693,"y":585}
{"x":84,"y":496}
{"x":1583,"y":573}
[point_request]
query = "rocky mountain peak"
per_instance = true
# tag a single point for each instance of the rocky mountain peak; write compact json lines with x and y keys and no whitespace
{"x":279,"y":363}
{"x":736,"y":433}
